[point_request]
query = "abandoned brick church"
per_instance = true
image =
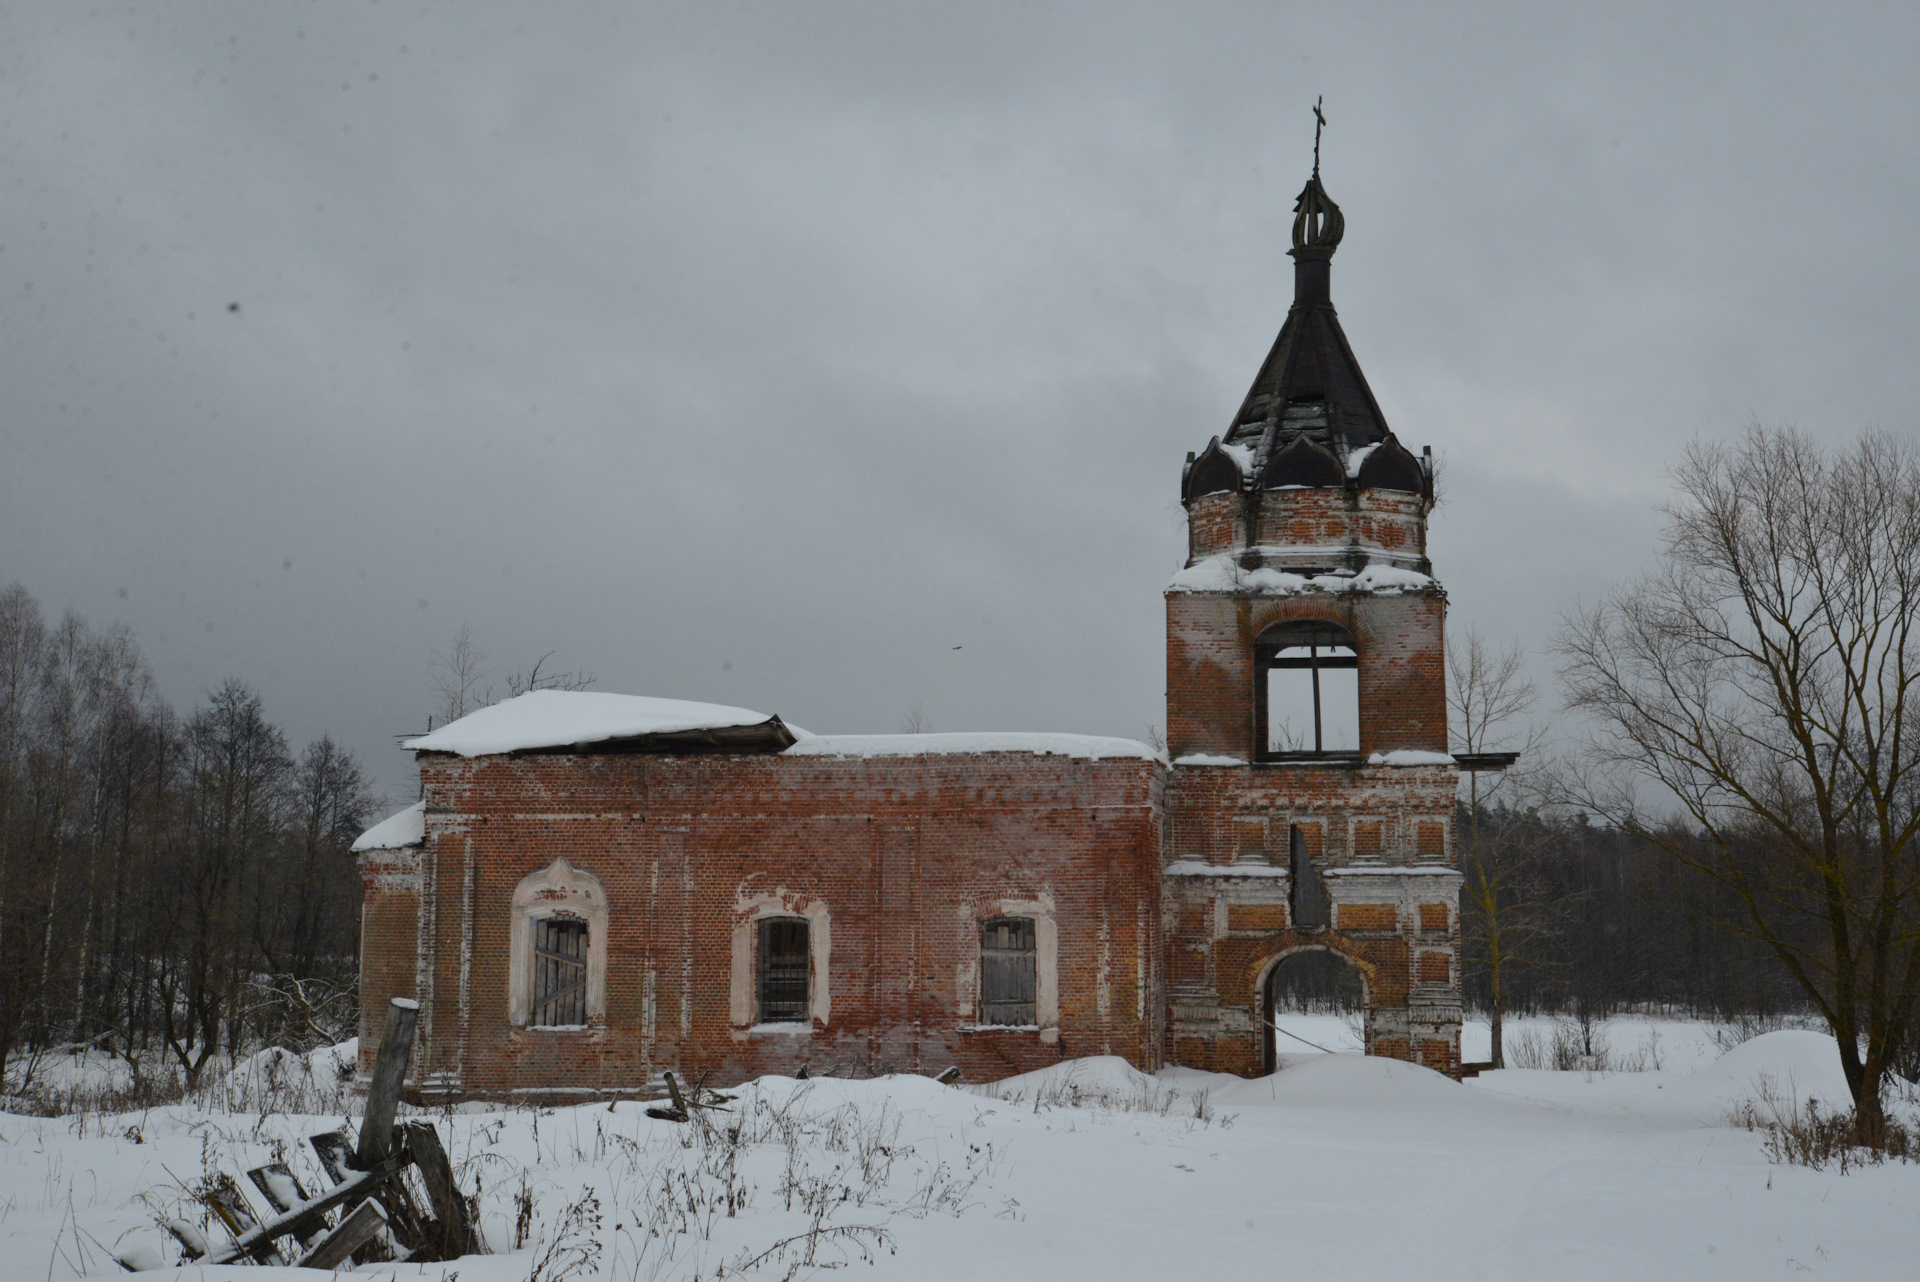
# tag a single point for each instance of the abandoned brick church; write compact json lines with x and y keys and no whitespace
{"x":598,"y":887}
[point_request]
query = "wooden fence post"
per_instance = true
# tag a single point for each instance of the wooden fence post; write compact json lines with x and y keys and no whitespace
{"x":383,"y":1094}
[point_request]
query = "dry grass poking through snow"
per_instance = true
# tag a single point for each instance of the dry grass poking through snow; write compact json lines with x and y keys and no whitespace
{"x":1107,"y":1085}
{"x":1801,"y":1131}
{"x":793,"y":1177}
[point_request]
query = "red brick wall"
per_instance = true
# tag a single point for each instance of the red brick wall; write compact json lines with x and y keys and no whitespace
{"x":1370,"y":824}
{"x":1385,"y":519}
{"x":389,"y":930}
{"x":905,"y":852}
{"x":1210,"y":675}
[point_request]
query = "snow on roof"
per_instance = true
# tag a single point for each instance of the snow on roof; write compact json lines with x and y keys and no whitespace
{"x":1224,"y":573}
{"x":408,"y":828}
{"x":1088,"y":746}
{"x":563,"y":718}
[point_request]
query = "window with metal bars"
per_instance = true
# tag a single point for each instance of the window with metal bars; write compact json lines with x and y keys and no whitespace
{"x":559,"y":972}
{"x":784,"y":966}
{"x":1008,"y":976}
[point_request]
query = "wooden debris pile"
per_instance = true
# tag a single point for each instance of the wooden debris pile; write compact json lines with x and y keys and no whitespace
{"x":680,"y":1106}
{"x":370,"y":1192}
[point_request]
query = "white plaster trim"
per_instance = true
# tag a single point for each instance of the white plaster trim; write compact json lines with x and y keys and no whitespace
{"x":558,"y":890}
{"x":743,"y":1001}
{"x":1046,"y":964}
{"x":1201,"y":868}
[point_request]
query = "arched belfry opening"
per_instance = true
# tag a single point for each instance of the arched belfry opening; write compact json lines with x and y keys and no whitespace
{"x":1320,"y":984}
{"x":1306,"y":692}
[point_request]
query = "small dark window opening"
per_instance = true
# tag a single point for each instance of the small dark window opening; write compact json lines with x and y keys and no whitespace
{"x":559,"y":972}
{"x":1306,"y":692}
{"x":783,"y":970}
{"x":1008,"y":976}
{"x":1309,"y":906}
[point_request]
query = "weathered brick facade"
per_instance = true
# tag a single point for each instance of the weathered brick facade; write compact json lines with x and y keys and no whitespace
{"x":902,"y":855}
{"x":1159,"y":893}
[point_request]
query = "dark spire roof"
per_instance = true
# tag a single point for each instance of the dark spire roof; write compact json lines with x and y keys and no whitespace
{"x":1311,"y":385}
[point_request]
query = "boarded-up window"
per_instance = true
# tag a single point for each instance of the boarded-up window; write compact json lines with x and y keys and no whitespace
{"x":783,"y":970}
{"x":559,"y":972}
{"x":1008,"y":979}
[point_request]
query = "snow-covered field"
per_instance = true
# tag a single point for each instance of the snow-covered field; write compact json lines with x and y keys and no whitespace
{"x":1338,"y":1166}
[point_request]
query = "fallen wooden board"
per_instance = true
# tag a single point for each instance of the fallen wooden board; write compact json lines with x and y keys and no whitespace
{"x":349,"y":1236}
{"x":259,"y":1241}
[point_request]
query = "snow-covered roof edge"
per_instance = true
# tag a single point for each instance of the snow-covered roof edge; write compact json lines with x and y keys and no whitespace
{"x":397,"y":831}
{"x":578,"y":718}
{"x":1085,"y":746}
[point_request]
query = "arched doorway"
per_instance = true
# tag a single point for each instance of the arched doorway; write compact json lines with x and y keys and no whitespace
{"x":1309,"y":981}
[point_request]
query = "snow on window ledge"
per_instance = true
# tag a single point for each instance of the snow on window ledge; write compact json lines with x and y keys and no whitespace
{"x":1208,"y":759}
{"x":786,"y":1028}
{"x":1201,"y":868}
{"x":1410,"y":757}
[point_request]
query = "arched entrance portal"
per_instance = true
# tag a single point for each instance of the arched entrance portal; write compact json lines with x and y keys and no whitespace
{"x":1308,"y":981}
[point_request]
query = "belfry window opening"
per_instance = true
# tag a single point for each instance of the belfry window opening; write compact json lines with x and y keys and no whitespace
{"x":1307,"y":692}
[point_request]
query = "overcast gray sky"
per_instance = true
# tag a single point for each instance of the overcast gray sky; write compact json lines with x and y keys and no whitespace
{"x":766,"y":354}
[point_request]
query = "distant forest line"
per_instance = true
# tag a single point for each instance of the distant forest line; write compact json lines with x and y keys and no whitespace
{"x":172,"y":886}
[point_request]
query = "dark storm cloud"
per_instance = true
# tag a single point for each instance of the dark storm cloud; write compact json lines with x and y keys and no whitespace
{"x":764,"y":355}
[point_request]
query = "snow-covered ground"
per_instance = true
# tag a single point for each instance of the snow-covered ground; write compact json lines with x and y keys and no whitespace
{"x":1338,"y":1166}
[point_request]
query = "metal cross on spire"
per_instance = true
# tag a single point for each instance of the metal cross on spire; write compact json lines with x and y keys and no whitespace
{"x":1319,"y":123}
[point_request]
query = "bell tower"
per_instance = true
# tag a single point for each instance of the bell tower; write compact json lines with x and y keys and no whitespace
{"x":1311,"y":797}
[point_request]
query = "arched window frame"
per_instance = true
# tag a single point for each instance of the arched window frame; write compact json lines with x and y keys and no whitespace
{"x":744,"y":988}
{"x":563,"y":891}
{"x":1288,"y":634}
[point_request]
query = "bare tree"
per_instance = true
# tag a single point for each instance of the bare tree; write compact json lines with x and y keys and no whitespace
{"x":459,"y":673}
{"x":1762,"y":683}
{"x":537,"y":678}
{"x":1490,"y":697}
{"x":460,"y":677}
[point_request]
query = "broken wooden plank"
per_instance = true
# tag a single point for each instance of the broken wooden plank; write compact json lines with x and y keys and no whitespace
{"x":193,"y":1243}
{"x":335,"y":1151}
{"x":352,"y":1233}
{"x":404,"y":1220}
{"x":949,"y":1075}
{"x":223,"y":1197}
{"x":450,"y":1233}
{"x":383,"y":1093}
{"x":259,"y":1241}
{"x":283,"y":1191}
{"x":279,"y":1185}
